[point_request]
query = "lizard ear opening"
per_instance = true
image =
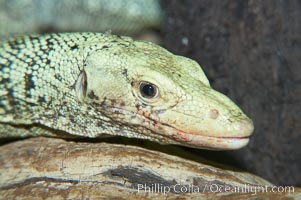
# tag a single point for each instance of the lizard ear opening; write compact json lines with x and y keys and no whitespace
{"x":81,"y":86}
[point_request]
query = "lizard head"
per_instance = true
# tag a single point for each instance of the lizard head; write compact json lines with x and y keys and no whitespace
{"x":160,"y":96}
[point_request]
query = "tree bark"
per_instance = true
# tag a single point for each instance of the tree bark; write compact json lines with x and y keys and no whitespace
{"x":48,"y":168}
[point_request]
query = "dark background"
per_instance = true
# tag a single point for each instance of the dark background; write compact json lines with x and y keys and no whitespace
{"x":250,"y":51}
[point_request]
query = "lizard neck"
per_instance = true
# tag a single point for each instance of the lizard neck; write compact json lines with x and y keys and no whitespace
{"x":37,"y":77}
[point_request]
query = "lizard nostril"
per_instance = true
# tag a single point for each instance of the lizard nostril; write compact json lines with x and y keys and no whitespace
{"x":213,"y":113}
{"x":246,"y":127}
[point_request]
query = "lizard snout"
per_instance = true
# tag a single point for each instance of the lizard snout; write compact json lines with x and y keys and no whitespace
{"x":245,"y":127}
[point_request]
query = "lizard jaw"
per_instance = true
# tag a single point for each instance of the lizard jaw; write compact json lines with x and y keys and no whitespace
{"x":195,"y":140}
{"x":198,"y":140}
{"x":210,"y":142}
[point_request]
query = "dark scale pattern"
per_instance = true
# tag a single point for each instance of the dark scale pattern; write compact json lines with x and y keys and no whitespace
{"x":31,"y":71}
{"x":29,"y":84}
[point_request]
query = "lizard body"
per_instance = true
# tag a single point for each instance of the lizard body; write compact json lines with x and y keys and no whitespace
{"x":125,"y":17}
{"x":91,"y":84}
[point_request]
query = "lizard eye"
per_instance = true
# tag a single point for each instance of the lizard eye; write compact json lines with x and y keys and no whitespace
{"x":148,"y":90}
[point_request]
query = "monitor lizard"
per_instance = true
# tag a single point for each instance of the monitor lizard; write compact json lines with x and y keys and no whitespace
{"x":93,"y":84}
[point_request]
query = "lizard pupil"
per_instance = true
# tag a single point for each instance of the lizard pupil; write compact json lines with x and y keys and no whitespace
{"x":148,"y":90}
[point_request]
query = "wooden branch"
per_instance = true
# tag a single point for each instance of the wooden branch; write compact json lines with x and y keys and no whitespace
{"x":47,"y":168}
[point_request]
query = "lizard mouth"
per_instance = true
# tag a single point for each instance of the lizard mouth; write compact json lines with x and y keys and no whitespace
{"x":207,"y":142}
{"x":197,"y":140}
{"x":185,"y":138}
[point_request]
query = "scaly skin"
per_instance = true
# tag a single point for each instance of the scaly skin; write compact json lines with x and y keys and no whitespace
{"x":127,"y":17}
{"x":89,"y":84}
